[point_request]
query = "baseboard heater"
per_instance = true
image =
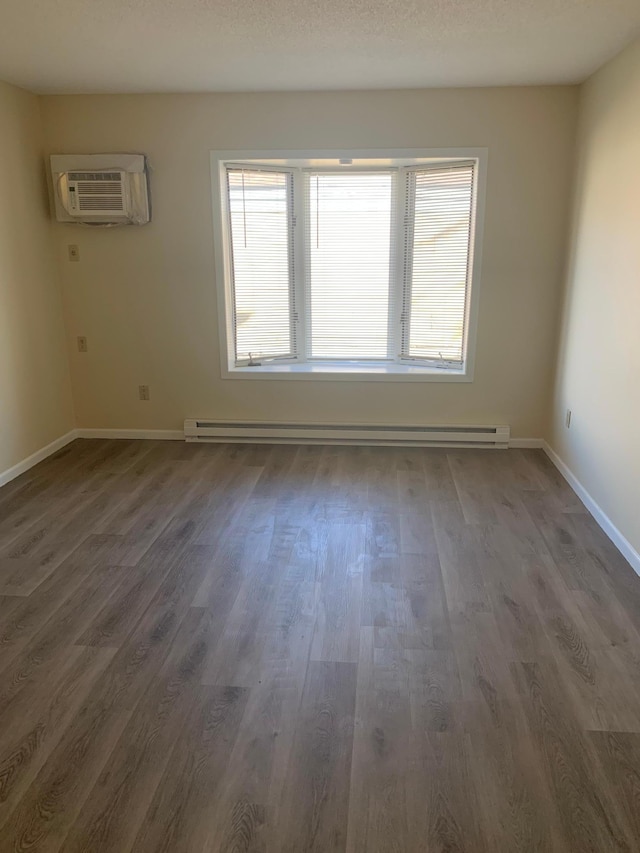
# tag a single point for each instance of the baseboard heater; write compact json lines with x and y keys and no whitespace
{"x":376,"y":434}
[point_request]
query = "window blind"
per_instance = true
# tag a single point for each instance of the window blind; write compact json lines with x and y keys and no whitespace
{"x":349,"y":225}
{"x":438,"y":223}
{"x":260,"y":204}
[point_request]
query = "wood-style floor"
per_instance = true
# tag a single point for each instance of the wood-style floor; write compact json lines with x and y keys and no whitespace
{"x":290,"y":649}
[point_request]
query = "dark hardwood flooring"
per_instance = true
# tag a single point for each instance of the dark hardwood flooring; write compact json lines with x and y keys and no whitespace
{"x":276,"y":649}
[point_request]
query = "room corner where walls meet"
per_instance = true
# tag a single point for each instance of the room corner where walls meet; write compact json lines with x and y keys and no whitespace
{"x":35,"y":389}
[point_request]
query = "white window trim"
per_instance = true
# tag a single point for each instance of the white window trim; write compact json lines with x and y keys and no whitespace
{"x":343,"y":371}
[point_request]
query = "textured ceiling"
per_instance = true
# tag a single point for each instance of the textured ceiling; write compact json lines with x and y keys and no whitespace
{"x":254,"y":45}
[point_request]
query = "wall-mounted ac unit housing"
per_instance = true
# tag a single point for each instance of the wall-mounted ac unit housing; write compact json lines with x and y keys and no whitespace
{"x":101,"y":189}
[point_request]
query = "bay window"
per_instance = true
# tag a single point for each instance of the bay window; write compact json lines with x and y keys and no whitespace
{"x":359,"y":266}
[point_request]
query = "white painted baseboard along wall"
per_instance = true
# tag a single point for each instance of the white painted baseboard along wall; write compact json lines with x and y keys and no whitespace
{"x":38,"y":456}
{"x":621,"y":542}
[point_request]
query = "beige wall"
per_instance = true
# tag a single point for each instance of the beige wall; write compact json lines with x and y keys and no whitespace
{"x":599,"y":361}
{"x":145,"y":297}
{"x":35,"y":393}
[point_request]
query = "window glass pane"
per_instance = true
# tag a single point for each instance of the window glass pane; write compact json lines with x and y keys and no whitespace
{"x":262,"y":263}
{"x":349,"y":222}
{"x":440,"y":205}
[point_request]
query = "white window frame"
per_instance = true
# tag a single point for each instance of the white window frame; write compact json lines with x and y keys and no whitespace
{"x":343,"y":370}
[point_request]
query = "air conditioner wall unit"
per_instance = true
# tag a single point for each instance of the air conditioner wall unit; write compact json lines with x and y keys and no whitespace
{"x":101,"y":189}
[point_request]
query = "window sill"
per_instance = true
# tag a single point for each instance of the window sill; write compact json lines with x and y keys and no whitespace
{"x":352,"y":372}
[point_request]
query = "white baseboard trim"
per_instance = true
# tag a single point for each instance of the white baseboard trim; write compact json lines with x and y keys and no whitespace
{"x":526,"y":443}
{"x":178,"y":435}
{"x":619,"y":540}
{"x":38,"y":456}
{"x":157,"y":434}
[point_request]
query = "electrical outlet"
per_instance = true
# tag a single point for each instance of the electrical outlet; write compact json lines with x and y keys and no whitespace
{"x":143,"y":392}
{"x":74,"y":252}
{"x":568,"y":419}
{"x":82,"y":344}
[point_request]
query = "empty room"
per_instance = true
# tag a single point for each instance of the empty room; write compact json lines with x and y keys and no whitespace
{"x":319,"y":398}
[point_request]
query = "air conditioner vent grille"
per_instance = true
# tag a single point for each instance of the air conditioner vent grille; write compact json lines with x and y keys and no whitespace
{"x":94,"y":176}
{"x":93,"y":188}
{"x":107,"y":202}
